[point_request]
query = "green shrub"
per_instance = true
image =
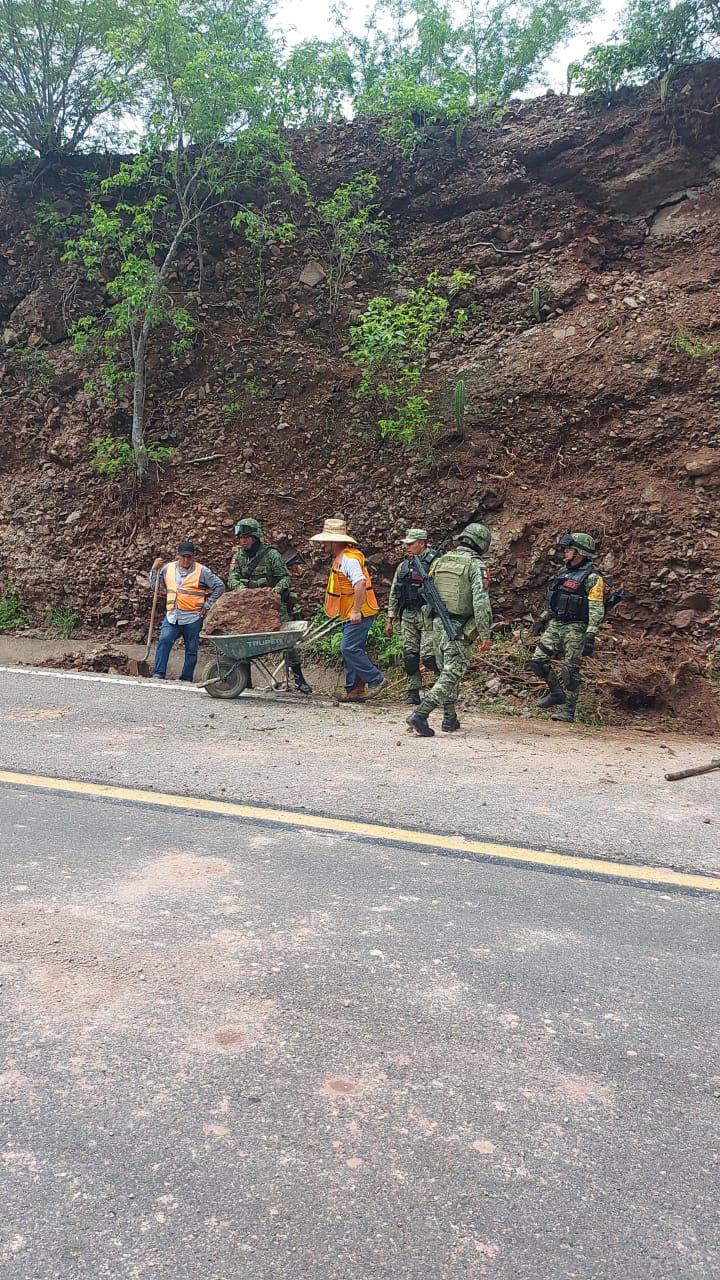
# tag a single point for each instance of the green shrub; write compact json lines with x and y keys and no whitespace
{"x":14,"y":613}
{"x":111,"y":457}
{"x":348,"y":226}
{"x":390,"y":345}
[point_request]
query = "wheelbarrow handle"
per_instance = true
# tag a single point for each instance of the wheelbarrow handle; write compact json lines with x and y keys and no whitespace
{"x":693,"y":773}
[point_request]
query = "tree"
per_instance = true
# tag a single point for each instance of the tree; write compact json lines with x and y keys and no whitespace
{"x":428,"y":62}
{"x":654,"y":37}
{"x":60,"y":78}
{"x":207,"y":72}
{"x":348,"y":226}
{"x":316,"y":82}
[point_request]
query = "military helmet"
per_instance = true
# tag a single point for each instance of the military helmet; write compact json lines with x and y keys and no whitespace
{"x":248,"y":528}
{"x":477,"y":534}
{"x":582,"y":542}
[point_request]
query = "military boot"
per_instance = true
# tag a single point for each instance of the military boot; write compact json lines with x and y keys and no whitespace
{"x":412,"y":698}
{"x":450,"y":722}
{"x":301,"y":683}
{"x":420,"y":724}
{"x":554,"y":698}
{"x":566,"y":715}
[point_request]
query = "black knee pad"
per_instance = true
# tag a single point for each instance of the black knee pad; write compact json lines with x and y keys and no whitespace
{"x":430,"y":664}
{"x":539,"y":667}
{"x":569,"y":677}
{"x":412,"y":663}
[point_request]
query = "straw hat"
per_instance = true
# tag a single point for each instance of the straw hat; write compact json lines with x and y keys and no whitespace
{"x":333,"y":531}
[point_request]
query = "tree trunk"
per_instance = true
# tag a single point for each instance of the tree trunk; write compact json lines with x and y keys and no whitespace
{"x":138,"y":422}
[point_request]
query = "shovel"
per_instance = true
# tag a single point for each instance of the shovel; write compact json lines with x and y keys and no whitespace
{"x":141,"y":667}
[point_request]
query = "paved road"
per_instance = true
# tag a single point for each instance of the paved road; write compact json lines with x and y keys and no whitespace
{"x":235,"y":1050}
{"x":523,"y":782}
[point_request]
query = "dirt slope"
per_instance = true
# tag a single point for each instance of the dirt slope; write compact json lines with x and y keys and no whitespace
{"x":603,"y":416}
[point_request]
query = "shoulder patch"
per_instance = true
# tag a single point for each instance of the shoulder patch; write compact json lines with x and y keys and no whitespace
{"x":597,"y":590}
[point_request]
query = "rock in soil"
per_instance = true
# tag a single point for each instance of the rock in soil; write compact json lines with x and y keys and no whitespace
{"x":244,"y":612}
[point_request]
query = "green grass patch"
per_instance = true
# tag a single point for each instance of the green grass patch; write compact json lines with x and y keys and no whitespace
{"x":60,"y":621}
{"x":14,"y":613}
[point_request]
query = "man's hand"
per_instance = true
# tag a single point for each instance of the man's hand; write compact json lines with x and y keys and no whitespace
{"x":588,"y":646}
{"x":538,"y":626}
{"x":158,"y":563}
{"x":389,"y":628}
{"x":356,"y":616}
{"x":483,"y":646}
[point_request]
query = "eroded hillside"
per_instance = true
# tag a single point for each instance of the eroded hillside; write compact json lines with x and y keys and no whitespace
{"x":600,"y":410}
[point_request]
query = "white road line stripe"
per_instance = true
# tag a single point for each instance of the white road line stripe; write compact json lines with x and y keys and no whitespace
{"x":131,"y":681}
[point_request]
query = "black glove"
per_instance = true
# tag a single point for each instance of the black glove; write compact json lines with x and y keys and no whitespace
{"x":588,"y":647}
{"x":538,"y":626}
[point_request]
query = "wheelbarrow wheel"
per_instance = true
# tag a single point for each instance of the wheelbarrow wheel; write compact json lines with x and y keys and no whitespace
{"x":224,"y":678}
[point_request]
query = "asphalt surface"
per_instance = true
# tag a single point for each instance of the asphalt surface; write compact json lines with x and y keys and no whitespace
{"x":236,"y":1050}
{"x":525,"y":782}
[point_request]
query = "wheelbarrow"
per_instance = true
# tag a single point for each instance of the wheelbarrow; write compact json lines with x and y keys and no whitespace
{"x":228,"y":673}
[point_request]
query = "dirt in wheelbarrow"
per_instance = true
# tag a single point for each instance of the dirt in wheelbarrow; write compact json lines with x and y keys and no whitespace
{"x":244,"y":613}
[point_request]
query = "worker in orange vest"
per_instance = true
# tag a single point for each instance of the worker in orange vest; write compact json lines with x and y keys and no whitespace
{"x":191,"y":590}
{"x":351,"y":598}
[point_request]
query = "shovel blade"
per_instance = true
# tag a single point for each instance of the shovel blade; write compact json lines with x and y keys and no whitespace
{"x":139,"y":668}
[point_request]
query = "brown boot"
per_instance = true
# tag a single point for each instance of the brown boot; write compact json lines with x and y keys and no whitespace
{"x":357,"y":693}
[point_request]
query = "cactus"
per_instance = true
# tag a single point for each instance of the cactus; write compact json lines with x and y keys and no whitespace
{"x":459,"y":403}
{"x":535,"y":304}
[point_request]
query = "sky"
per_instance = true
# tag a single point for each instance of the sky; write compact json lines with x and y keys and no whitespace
{"x":310,"y":19}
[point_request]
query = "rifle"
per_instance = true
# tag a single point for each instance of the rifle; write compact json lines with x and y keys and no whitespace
{"x":431,"y":596}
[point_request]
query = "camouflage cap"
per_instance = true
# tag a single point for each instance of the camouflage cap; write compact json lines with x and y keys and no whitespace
{"x":248,"y":528}
{"x":477,"y":534}
{"x":415,"y":535}
{"x":582,"y":542}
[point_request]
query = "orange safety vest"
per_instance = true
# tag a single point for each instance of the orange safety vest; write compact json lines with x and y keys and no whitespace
{"x":340,"y":594}
{"x":189,"y":597}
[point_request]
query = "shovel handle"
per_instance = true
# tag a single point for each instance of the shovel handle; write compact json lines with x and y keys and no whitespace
{"x":693,"y":773}
{"x":152,"y":618}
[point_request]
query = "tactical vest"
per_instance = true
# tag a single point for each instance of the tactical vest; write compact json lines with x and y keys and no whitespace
{"x":189,"y":596}
{"x":451,"y":575}
{"x":409,"y":582}
{"x":256,"y":571}
{"x":567,"y":594}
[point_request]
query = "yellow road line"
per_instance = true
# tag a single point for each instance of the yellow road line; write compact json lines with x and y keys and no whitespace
{"x":396,"y":835}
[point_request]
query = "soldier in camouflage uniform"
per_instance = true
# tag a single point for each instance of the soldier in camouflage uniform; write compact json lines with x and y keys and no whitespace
{"x":461,"y":579}
{"x":258,"y":565}
{"x":405,"y":607}
{"x":574,"y":610}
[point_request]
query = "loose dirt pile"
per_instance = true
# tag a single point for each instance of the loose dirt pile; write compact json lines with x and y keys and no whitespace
{"x":106,"y":659}
{"x":244,"y":612}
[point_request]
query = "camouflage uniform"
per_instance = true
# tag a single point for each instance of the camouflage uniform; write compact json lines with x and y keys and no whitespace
{"x":417,"y":635}
{"x":569,"y":640}
{"x":453,"y":656}
{"x":263,"y":566}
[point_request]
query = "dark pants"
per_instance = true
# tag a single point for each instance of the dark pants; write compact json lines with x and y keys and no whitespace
{"x":352,"y":647}
{"x":169,"y":633}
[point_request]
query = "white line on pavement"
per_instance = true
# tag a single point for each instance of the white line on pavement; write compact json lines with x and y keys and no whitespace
{"x":131,"y":681}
